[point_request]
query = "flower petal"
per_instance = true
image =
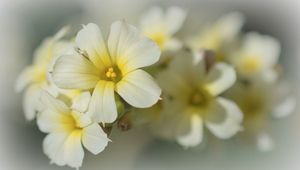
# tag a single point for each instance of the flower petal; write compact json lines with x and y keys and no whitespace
{"x":31,"y":101}
{"x":256,"y":44}
{"x":64,"y":148}
{"x":170,"y":121}
{"x":130,"y":49}
{"x":53,"y":146}
{"x":52,"y":103}
{"x":229,"y":26}
{"x":184,"y":74}
{"x":56,"y":116}
{"x":221,"y":77}
{"x":61,"y":33}
{"x":175,"y":17}
{"x":24,"y":79}
{"x":94,"y":138}
{"x":285,"y":108}
{"x":52,"y":121}
{"x":195,"y":136}
{"x":173,"y":44}
{"x":102,"y":106}
{"x":264,"y":142}
{"x":73,"y":151}
{"x":81,"y":102}
{"x":232,"y":122}
{"x":75,"y":72}
{"x":174,"y":85}
{"x":90,"y":39}
{"x":139,"y":89}
{"x":152,"y":21}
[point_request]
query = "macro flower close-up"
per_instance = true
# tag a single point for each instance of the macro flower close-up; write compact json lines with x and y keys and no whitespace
{"x":108,"y":67}
{"x":193,"y":88}
{"x":143,"y":85}
{"x":67,"y":130}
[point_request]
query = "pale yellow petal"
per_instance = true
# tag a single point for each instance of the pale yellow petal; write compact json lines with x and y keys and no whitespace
{"x":173,"y":44}
{"x":31,"y":101}
{"x":229,"y":26}
{"x":24,"y":79}
{"x":152,"y":21}
{"x":75,"y":72}
{"x":174,"y":19}
{"x":50,"y":102}
{"x":94,"y":138}
{"x":139,"y":89}
{"x":73,"y":151}
{"x":81,"y":102}
{"x":102,"y":107}
{"x":195,"y":136}
{"x":53,"y":147}
{"x":265,"y":47}
{"x":55,"y":117}
{"x":220,"y":78}
{"x":52,"y":121}
{"x":130,"y":49}
{"x":231,"y":123}
{"x":174,"y":85}
{"x":90,"y":39}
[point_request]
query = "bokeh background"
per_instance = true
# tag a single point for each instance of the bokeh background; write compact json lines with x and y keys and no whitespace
{"x":23,"y":25}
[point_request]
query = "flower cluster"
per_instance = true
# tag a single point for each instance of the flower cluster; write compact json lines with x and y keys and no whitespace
{"x":78,"y":88}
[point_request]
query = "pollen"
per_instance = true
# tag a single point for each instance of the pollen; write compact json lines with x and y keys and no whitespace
{"x":111,"y":73}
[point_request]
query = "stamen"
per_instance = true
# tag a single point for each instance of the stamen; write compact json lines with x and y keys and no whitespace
{"x":111,"y":73}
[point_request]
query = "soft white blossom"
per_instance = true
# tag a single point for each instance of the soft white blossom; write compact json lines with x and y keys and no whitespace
{"x":68,"y":129}
{"x":109,"y":66}
{"x":192,"y":101}
{"x":257,"y":57}
{"x":160,"y":26}
{"x":260,"y":102}
{"x":35,"y":77}
{"x":218,"y":36}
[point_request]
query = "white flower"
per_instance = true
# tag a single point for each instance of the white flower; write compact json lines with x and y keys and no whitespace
{"x":257,"y":57}
{"x":34,"y":77}
{"x":192,"y":101}
{"x":68,"y":130}
{"x":219,"y":35}
{"x":108,"y":66}
{"x":161,"y":27}
{"x":259,"y":101}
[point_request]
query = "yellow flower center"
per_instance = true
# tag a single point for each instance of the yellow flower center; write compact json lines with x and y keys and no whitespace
{"x":251,"y":65}
{"x":113,"y":74}
{"x":200,"y":98}
{"x":197,"y":99}
{"x":110,"y":73}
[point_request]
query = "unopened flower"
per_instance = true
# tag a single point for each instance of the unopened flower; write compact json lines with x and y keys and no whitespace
{"x":257,"y":57}
{"x":106,"y":67}
{"x":68,"y":130}
{"x":161,"y":26}
{"x":34,"y":78}
{"x":260,"y":101}
{"x":192,"y":100}
{"x":218,"y":36}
